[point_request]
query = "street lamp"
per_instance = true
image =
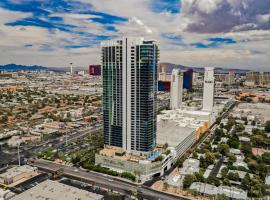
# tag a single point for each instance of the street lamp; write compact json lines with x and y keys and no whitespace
{"x":19,"y":159}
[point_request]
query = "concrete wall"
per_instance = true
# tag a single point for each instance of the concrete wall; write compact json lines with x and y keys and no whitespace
{"x":146,"y":170}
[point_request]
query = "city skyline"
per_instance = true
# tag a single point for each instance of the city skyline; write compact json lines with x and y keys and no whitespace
{"x":230,"y":33}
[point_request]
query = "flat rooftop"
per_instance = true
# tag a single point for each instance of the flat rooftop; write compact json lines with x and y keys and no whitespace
{"x":170,"y":132}
{"x":111,"y":151}
{"x":53,"y":190}
{"x":15,"y":171}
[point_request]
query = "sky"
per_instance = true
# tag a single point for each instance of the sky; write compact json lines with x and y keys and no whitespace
{"x":218,"y":33}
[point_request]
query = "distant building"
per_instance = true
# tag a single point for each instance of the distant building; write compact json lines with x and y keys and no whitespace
{"x":258,"y":79}
{"x":164,"y":86}
{"x":208,"y":89}
{"x":81,"y":73}
{"x":230,"y":79}
{"x":95,"y":70}
{"x":129,"y":94}
{"x":176,"y":89}
{"x":188,"y":79}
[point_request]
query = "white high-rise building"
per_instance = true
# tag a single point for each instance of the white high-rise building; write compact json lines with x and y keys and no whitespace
{"x":176,"y":89}
{"x":129,"y":70}
{"x":208,"y":89}
{"x":71,"y":68}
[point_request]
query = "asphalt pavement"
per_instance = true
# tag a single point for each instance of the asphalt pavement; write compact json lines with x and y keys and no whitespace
{"x":105,"y":181}
{"x":12,"y":158}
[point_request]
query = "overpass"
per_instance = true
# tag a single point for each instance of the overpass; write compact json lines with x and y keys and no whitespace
{"x":105,"y":181}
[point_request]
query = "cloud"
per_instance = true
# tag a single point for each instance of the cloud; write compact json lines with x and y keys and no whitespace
{"x":170,"y":6}
{"x":8,"y":16}
{"x":173,"y":38}
{"x":191,"y":32}
{"x":218,"y":16}
{"x":213,"y":43}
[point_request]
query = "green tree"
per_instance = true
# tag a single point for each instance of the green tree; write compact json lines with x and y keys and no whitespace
{"x":165,"y":186}
{"x":224,"y":172}
{"x":188,"y":180}
{"x":233,"y":142}
{"x":239,"y":128}
{"x":233,"y":176}
{"x":210,"y":158}
{"x":226,"y":181}
{"x":267,"y":126}
{"x":203,"y":163}
{"x":195,"y":155}
{"x":257,"y":187}
{"x":159,"y":158}
{"x":246,"y":181}
{"x":128,"y":175}
{"x":213,"y":180}
{"x":266,"y":158}
{"x":223,"y":148}
{"x":246,"y":148}
{"x":219,"y":132}
{"x":199,"y":177}
{"x":181,"y":160}
{"x":231,"y":157}
{"x":260,"y":140}
{"x":4,"y":119}
{"x":222,"y":197}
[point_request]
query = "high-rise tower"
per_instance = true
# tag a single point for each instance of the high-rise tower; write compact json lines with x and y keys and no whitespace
{"x":208,"y":89}
{"x":176,"y":89}
{"x":71,"y":68}
{"x":129,"y":69}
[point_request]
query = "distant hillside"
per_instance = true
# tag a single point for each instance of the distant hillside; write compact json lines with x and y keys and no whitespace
{"x":168,"y":67}
{"x":15,"y":67}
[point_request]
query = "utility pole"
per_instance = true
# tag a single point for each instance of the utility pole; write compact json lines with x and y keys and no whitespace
{"x":66,"y":138}
{"x":66,"y":133}
{"x":19,"y":159}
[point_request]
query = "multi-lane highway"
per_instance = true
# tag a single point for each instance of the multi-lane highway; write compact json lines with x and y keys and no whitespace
{"x":105,"y":181}
{"x":31,"y":152}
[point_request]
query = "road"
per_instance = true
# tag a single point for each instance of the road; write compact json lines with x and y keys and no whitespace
{"x":105,"y":181}
{"x":55,"y":143}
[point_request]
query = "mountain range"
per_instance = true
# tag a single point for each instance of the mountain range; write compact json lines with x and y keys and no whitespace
{"x":15,"y":67}
{"x":168,"y":67}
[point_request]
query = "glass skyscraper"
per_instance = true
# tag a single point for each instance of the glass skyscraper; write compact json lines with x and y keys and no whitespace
{"x":129,"y":69}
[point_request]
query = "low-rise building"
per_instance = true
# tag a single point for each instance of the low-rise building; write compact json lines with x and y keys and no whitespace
{"x":211,"y":190}
{"x":241,"y":174}
{"x":232,"y":192}
{"x":6,"y":194}
{"x":147,"y":167}
{"x":267,"y":180}
{"x":235,"y":151}
{"x":190,"y":166}
{"x":51,"y":190}
{"x":258,"y":151}
{"x":18,"y":174}
{"x":208,"y":171}
{"x":204,"y":188}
